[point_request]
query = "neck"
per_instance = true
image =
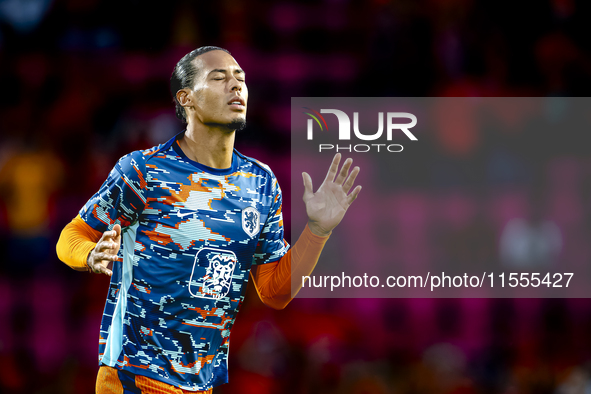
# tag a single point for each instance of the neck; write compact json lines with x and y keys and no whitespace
{"x":208,"y":145}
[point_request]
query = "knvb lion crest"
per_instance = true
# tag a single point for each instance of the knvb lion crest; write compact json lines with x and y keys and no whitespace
{"x":212,"y":273}
{"x":219,"y":278}
{"x":251,"y":219}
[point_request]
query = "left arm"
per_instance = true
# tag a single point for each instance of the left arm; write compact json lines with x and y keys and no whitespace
{"x":325,"y":209}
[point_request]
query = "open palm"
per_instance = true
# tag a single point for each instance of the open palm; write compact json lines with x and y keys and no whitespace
{"x":328,"y":205}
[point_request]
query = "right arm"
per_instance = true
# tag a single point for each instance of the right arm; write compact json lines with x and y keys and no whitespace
{"x":92,"y":240}
{"x":86,"y":249}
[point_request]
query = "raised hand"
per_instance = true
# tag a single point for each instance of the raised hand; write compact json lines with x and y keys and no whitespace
{"x":328,"y":205}
{"x":105,"y":251}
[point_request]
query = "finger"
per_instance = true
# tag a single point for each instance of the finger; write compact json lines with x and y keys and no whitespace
{"x":109,"y":234}
{"x":100,"y":269}
{"x":334,"y":166}
{"x":308,"y":189}
{"x":103,"y":256}
{"x":103,"y":270}
{"x":104,"y":245}
{"x":117,"y":230}
{"x":111,"y":245}
{"x":351,"y":180}
{"x":351,"y":197}
{"x":344,"y":171}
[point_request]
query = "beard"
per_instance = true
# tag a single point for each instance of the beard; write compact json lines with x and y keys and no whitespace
{"x":237,"y":124}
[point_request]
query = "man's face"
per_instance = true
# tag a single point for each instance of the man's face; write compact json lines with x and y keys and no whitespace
{"x":219,"y":93}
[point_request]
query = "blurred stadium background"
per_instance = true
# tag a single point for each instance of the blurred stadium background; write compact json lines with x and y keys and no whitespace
{"x":85,"y":81}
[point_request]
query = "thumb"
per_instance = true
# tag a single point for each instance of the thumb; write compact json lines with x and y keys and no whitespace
{"x":117,"y":229}
{"x":308,"y":190}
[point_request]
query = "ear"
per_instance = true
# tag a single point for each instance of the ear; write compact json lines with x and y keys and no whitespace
{"x":184,"y":98}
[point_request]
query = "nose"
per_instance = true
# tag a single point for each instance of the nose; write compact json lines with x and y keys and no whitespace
{"x":236,"y":85}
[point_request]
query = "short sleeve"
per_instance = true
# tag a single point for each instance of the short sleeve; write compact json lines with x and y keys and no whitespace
{"x":121,"y":198}
{"x":271,"y":245}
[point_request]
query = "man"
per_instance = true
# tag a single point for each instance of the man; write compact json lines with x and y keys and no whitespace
{"x":183,"y":224}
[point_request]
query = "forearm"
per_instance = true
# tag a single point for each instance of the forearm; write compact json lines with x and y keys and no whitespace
{"x":76,"y":241}
{"x":273,"y":280}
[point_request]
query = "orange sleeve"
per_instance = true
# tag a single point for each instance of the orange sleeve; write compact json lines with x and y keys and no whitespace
{"x":273,"y":280}
{"x":76,"y":241}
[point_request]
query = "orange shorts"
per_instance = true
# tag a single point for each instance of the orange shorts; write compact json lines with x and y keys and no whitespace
{"x":113,"y":381}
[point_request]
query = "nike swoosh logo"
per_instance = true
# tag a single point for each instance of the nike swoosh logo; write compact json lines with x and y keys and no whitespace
{"x":182,"y":215}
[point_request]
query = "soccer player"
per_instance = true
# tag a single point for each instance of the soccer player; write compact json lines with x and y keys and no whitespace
{"x":183,"y":225}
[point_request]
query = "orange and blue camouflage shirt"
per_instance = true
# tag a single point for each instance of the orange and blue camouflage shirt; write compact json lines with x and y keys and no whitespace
{"x":190,"y":234}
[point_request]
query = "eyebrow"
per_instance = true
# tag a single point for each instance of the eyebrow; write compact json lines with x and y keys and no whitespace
{"x":221,"y":70}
